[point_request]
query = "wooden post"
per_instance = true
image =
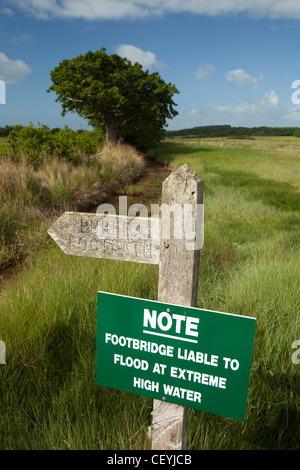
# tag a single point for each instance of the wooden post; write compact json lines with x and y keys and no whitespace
{"x":2,"y":352}
{"x":174,"y":242}
{"x":81,"y":234}
{"x":178,"y":282}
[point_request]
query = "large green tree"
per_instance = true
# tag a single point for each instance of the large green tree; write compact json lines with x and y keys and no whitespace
{"x":110,"y":91}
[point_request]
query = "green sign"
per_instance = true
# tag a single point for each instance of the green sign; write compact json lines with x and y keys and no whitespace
{"x":191,"y":357}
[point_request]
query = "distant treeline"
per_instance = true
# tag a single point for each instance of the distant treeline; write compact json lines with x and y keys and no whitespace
{"x":4,"y":131}
{"x":237,"y":132}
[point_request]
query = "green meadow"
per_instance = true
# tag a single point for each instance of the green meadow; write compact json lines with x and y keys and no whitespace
{"x":249,"y":265}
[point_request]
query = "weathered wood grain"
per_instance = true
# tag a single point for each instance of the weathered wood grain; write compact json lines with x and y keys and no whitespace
{"x":2,"y":352}
{"x":178,"y":282}
{"x":108,"y":236}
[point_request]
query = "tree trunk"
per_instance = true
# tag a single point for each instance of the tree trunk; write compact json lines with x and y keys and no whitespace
{"x":111,"y":131}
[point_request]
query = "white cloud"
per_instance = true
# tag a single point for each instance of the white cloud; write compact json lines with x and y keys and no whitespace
{"x":88,"y":9}
{"x":270,"y":99}
{"x":292,"y":115}
{"x":12,"y":71}
{"x":249,"y":113}
{"x":146,"y":58}
{"x":240,"y":78}
{"x":6,"y":11}
{"x":204,"y":70}
{"x":21,"y":38}
{"x":266,"y":110}
{"x":116,"y":9}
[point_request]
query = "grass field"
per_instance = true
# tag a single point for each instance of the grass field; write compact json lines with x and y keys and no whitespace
{"x":249,"y":266}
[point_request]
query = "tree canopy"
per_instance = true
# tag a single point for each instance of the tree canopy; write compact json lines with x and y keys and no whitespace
{"x":110,"y":91}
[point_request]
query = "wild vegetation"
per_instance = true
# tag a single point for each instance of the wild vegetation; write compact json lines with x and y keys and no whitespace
{"x":249,"y":266}
{"x":37,"y":144}
{"x":44,"y":172}
{"x":4,"y":131}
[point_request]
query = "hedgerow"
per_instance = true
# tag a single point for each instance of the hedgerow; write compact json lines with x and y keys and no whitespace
{"x":36,"y":144}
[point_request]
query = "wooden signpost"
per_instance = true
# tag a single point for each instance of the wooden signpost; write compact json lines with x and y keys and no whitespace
{"x":76,"y":234}
{"x":106,"y":236}
{"x":178,"y":283}
{"x":2,"y":352}
{"x":146,"y":240}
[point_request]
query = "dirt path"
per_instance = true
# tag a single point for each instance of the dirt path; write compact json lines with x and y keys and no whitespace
{"x":7,"y":273}
{"x":150,"y":184}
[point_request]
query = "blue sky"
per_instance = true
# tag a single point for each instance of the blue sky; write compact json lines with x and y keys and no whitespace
{"x":233,"y":61}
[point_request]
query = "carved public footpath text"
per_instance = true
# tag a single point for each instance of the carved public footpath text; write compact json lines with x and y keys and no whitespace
{"x":108,"y":236}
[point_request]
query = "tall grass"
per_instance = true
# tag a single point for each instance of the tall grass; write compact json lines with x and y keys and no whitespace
{"x":48,"y":396}
{"x":249,"y":265}
{"x":29,"y":194}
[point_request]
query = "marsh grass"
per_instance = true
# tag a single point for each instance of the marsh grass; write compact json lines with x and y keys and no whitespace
{"x":50,"y":336}
{"x":249,"y":265}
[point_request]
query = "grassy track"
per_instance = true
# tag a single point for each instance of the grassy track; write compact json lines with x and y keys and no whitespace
{"x":249,"y":266}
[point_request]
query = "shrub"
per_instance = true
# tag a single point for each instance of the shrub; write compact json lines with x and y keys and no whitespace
{"x":31,"y":142}
{"x":39,"y":143}
{"x":296,"y":133}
